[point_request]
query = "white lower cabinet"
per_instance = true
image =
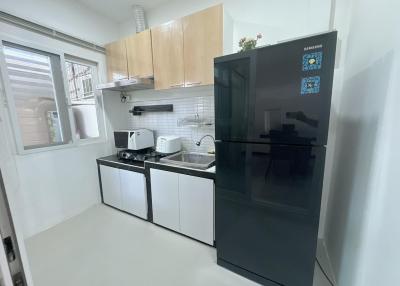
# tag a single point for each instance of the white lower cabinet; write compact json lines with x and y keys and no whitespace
{"x":125,"y":190}
{"x":165,"y":198}
{"x":111,"y":186}
{"x":196,"y":205}
{"x":134,"y":195}
{"x":184,"y":203}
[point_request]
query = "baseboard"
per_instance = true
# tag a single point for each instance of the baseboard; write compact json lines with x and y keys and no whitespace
{"x":58,"y":220}
{"x":245,"y":273}
{"x":324,"y":260}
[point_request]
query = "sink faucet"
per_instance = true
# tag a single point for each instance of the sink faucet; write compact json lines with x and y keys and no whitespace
{"x":198,"y":143}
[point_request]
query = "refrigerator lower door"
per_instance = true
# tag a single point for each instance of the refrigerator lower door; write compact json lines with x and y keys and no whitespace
{"x":267,"y":210}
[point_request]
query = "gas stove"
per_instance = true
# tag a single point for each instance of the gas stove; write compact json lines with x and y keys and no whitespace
{"x":139,"y":155}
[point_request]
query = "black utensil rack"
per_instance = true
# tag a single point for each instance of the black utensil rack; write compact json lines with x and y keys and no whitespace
{"x":138,"y":110}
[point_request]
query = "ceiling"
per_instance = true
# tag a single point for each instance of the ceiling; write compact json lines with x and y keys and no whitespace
{"x":119,"y":10}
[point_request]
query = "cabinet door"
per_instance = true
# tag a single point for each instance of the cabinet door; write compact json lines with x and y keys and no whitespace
{"x":203,"y":41}
{"x":165,"y":198}
{"x":167,"y":43}
{"x":117,"y":65}
{"x":111,"y":186}
{"x":196,"y":201}
{"x":134,"y":196}
{"x":139,"y":54}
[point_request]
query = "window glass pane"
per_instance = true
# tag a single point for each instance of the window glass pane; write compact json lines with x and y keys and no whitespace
{"x":34,"y":92}
{"x":81,"y":92}
{"x":85,"y":121}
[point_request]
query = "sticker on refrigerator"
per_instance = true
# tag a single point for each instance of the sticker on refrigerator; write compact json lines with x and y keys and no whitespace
{"x":310,"y":85}
{"x":312,"y":61}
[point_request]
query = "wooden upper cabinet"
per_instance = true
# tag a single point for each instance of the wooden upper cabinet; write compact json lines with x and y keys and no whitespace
{"x":203,"y":41}
{"x":139,"y":55}
{"x":117,"y":66}
{"x":179,"y":53}
{"x":167,"y":43}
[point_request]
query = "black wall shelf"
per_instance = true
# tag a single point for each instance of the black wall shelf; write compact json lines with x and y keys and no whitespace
{"x":138,"y":110}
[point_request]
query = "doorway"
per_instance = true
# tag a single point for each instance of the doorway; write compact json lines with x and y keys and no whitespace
{"x":11,"y":268}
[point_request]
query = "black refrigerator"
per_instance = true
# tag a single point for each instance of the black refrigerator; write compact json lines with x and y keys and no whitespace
{"x":272,"y":108}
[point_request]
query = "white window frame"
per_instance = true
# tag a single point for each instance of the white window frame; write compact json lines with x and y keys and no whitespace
{"x":10,"y":105}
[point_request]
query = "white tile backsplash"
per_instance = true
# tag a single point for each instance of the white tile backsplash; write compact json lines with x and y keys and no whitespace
{"x":166,"y":123}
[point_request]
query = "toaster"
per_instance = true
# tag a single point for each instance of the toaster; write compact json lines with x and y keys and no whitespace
{"x":168,"y":144}
{"x":136,"y":139}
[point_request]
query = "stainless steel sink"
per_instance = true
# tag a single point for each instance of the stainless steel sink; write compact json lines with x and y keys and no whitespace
{"x":190,"y":160}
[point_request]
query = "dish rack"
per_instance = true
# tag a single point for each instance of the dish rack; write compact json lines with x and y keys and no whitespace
{"x":195,"y":121}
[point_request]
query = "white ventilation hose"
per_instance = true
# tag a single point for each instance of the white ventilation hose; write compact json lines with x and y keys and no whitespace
{"x":140,"y":18}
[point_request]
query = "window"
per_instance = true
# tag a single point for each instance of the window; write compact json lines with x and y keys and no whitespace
{"x":87,"y":86}
{"x":37,"y":96}
{"x":81,"y":77}
{"x":50,"y":106}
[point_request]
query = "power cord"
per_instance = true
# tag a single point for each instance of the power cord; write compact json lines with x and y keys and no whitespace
{"x":323,"y":272}
{"x":124,"y":97}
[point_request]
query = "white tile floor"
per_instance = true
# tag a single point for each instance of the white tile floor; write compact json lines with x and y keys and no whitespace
{"x":104,"y":247}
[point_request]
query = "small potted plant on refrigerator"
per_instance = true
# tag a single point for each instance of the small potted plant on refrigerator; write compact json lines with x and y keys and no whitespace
{"x":246,"y":43}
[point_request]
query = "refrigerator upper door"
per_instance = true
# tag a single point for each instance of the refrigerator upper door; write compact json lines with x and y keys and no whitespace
{"x":267,"y":209}
{"x":233,"y":83}
{"x":282,"y":94}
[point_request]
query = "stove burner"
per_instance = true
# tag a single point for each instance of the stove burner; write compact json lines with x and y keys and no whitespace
{"x":138,"y":156}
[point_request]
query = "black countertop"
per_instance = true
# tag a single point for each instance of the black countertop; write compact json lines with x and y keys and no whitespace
{"x":144,"y":167}
{"x":113,"y":161}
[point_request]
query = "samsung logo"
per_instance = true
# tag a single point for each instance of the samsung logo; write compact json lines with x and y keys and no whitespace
{"x":313,"y":47}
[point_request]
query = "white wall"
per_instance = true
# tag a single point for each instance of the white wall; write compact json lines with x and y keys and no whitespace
{"x":362,"y":231}
{"x":127,"y":27}
{"x":187,"y":103}
{"x":57,"y":185}
{"x":276,"y":19}
{"x":70,"y":17}
{"x":52,"y":186}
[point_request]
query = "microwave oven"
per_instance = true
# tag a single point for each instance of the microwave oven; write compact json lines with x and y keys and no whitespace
{"x":136,"y":139}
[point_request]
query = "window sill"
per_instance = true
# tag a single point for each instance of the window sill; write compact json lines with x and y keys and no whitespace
{"x":77,"y":144}
{"x":85,"y":142}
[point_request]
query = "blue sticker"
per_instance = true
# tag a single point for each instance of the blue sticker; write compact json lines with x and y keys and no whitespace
{"x":312,"y":61}
{"x":310,"y":85}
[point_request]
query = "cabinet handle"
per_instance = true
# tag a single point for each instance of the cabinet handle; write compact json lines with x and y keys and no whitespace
{"x":177,"y":85}
{"x":193,"y":83}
